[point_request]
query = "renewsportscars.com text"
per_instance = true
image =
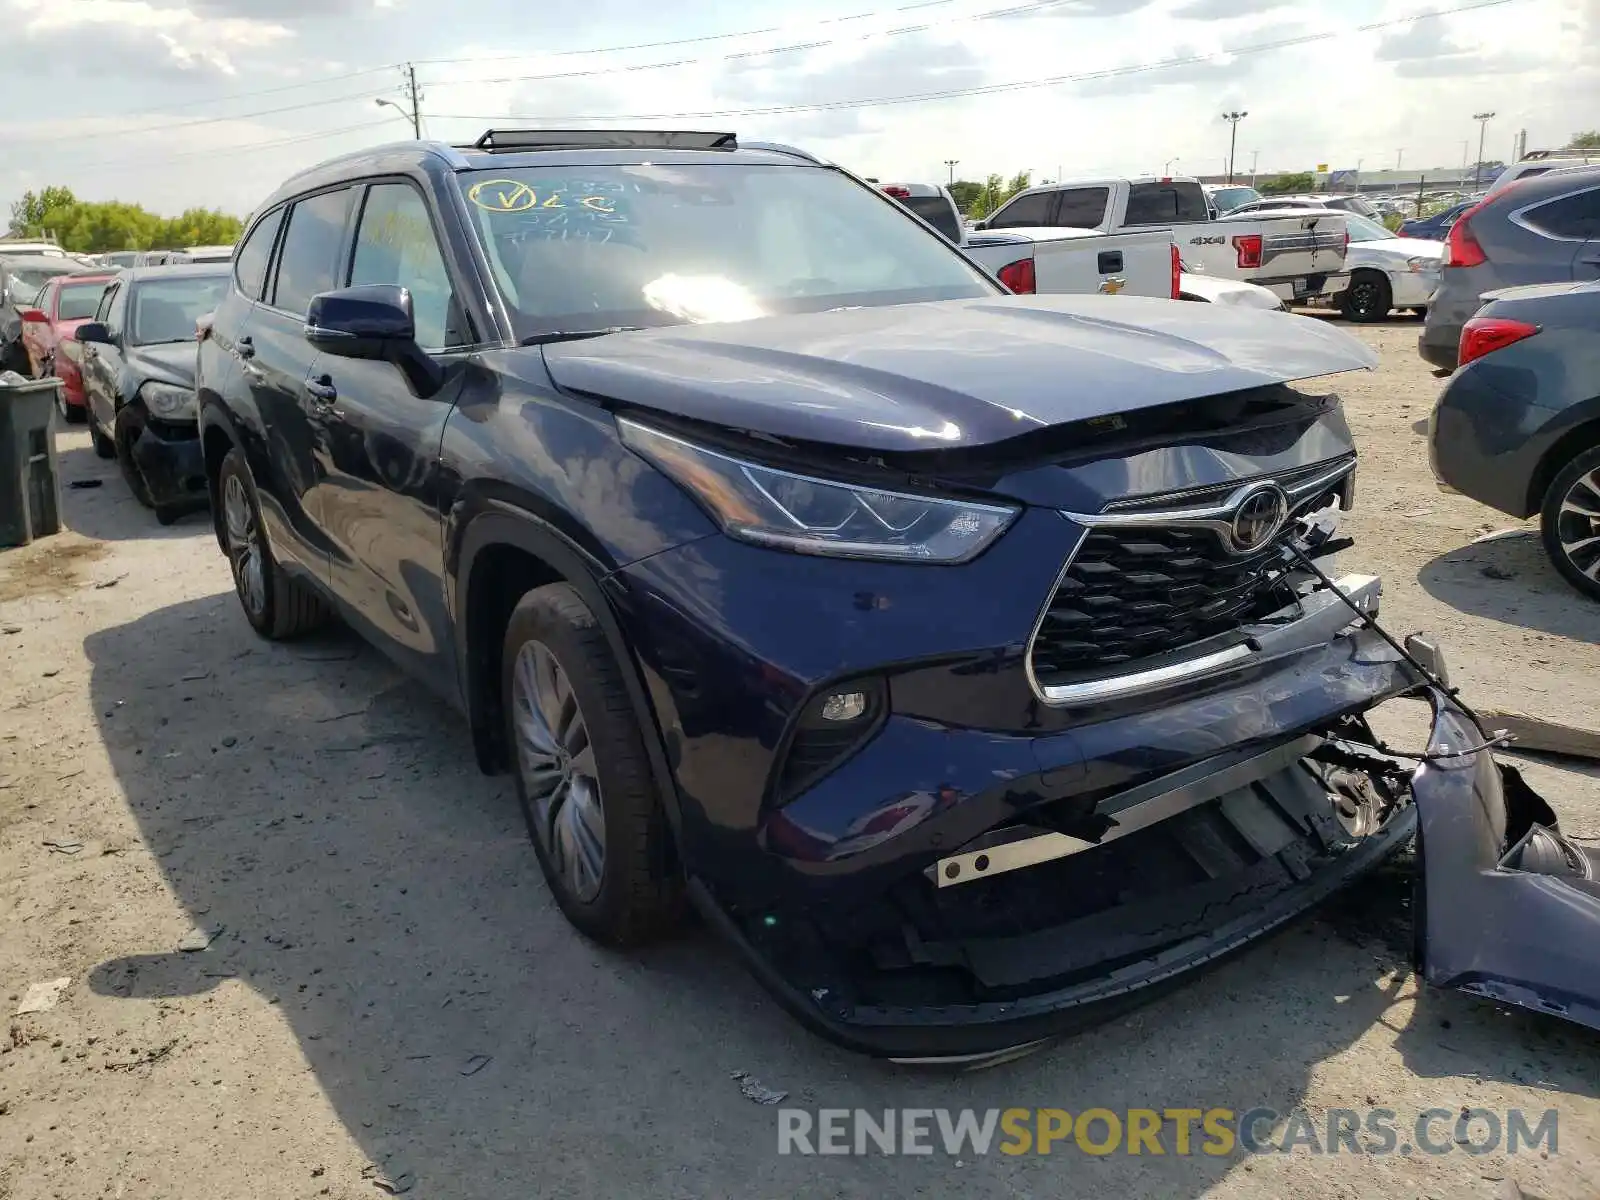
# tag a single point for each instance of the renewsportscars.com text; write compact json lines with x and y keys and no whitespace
{"x":1166,"y":1131}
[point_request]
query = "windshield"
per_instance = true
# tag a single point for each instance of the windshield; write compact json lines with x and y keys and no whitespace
{"x":1363,"y":230}
{"x":23,"y":283}
{"x":583,"y":248}
{"x":1229,"y":198}
{"x":79,"y":300}
{"x":165,"y":310}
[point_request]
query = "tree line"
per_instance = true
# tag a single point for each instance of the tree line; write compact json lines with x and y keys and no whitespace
{"x":98,"y":226}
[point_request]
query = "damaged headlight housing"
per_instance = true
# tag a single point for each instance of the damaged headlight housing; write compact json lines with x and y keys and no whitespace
{"x":168,"y":402}
{"x":807,"y":515}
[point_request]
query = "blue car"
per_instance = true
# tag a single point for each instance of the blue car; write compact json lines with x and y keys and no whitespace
{"x":973,"y":662}
{"x":1435,"y":227}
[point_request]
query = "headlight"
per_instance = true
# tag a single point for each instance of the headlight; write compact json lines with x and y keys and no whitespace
{"x":817,"y":516}
{"x":168,"y":402}
{"x":1421,"y":263}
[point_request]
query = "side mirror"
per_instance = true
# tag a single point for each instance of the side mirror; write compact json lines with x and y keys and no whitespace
{"x":34,"y":316}
{"x":95,"y":332}
{"x":373,"y":322}
{"x":980,"y":226}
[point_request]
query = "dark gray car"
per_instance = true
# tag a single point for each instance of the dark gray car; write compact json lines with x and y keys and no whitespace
{"x":1518,"y":426}
{"x":1545,"y":229}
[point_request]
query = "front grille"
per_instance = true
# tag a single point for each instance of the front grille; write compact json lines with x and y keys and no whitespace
{"x":1131,"y":594}
{"x":1137,"y":592}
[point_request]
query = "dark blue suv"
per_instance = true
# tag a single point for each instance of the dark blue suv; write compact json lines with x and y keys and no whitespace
{"x":963,"y":657}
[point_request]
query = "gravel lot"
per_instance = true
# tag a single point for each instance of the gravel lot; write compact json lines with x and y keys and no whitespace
{"x":389,"y":994}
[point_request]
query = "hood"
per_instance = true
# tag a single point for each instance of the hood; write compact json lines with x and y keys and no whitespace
{"x":951,"y":374}
{"x":169,"y":362}
{"x":1229,"y":291}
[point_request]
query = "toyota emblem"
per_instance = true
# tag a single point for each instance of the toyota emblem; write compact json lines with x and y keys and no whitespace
{"x":1258,"y":518}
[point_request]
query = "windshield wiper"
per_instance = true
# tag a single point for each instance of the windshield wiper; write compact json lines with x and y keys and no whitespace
{"x":573,"y":335}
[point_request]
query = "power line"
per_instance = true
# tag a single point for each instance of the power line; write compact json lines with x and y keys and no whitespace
{"x":187,"y":105}
{"x":689,"y":41}
{"x":238,"y":148}
{"x":988,"y":89}
{"x":1011,"y":10}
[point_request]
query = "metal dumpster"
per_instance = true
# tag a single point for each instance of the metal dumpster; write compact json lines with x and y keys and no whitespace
{"x":30,"y":481}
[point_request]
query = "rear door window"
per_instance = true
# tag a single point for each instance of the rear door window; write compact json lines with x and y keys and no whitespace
{"x":936,"y":211}
{"x":309,"y":263}
{"x":1575,"y":217}
{"x":1081,"y":208}
{"x":1166,"y":204}
{"x":1025,"y":212}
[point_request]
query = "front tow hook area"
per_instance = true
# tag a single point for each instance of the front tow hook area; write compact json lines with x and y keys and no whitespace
{"x":1510,"y":907}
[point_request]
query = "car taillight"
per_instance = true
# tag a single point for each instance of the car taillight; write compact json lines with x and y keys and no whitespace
{"x":1018,"y":276}
{"x":1482,"y":335}
{"x":1177,"y":272}
{"x":1461,"y":247}
{"x":1248,"y":247}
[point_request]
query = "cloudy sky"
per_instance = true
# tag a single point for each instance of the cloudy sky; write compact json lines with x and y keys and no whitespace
{"x":172,"y":103}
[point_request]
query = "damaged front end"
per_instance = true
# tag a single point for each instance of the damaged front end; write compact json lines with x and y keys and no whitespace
{"x":1511,"y":906}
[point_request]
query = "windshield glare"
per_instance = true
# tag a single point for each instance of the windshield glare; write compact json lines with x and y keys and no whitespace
{"x":165,"y":310}
{"x":79,"y":300}
{"x":583,"y":248}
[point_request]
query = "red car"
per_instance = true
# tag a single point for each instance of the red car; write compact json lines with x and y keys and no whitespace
{"x":66,"y":302}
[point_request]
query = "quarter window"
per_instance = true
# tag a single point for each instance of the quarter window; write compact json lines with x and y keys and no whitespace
{"x":309,"y":263}
{"x":1576,"y":216}
{"x":251,"y":267}
{"x":395,"y":244}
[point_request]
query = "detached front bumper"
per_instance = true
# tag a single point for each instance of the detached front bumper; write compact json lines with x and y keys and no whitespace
{"x":169,"y":457}
{"x":1511,"y":907}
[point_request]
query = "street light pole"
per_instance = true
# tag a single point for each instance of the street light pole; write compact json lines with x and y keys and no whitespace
{"x":1233,"y":119}
{"x":1482,"y":119}
{"x":951,"y":163}
{"x":413,"y":113}
{"x":1254,"y":155}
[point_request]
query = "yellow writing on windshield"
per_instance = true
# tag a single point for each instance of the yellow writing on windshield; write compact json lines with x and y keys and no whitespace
{"x":514,"y":196}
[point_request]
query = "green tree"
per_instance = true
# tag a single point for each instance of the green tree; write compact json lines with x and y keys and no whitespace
{"x":965,"y":193}
{"x":997,"y":190}
{"x":93,"y":227}
{"x":1282,"y":185}
{"x":1587,"y":140}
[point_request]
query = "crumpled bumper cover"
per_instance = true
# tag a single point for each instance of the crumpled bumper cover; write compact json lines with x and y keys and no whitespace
{"x":171,"y":460}
{"x":1511,"y":908}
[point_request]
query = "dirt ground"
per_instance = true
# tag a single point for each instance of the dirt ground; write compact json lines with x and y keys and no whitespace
{"x":389,"y":1002}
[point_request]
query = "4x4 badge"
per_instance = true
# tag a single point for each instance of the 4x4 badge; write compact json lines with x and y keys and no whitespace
{"x":1258,"y":518}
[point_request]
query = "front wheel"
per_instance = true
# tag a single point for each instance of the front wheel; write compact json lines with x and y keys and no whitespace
{"x":104,"y":447}
{"x":1367,"y":299}
{"x":126,"y":431}
{"x":1569,"y":522}
{"x":277,"y":605}
{"x":582,"y":775}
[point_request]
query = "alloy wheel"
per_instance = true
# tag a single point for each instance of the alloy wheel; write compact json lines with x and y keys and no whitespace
{"x":1578,"y":524}
{"x":244,"y":546}
{"x":1364,"y":297}
{"x":557,"y":765}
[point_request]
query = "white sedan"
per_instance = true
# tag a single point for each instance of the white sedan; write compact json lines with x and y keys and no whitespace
{"x":1386,"y":272}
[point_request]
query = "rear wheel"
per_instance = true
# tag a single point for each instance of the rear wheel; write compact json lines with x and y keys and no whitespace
{"x":1368,"y":298}
{"x":277,"y":605}
{"x":582,"y":775}
{"x":1569,"y":522}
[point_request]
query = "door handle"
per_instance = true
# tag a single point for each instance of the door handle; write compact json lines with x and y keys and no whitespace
{"x":322,"y":390}
{"x":246,"y":347}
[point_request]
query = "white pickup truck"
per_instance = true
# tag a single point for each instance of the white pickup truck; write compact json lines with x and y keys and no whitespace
{"x":1294,"y":257}
{"x":1070,"y":261}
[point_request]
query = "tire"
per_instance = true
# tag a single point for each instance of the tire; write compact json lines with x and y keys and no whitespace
{"x":125,"y":432}
{"x":1576,"y":486}
{"x":278,"y":606}
{"x":596,"y":779}
{"x":104,"y":447}
{"x":166,"y":514}
{"x":1367,"y":299}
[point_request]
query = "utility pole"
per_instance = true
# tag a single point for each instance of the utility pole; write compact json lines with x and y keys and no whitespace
{"x":1482,"y":119}
{"x":951,"y":163}
{"x":412,"y":109}
{"x":1233,"y":119}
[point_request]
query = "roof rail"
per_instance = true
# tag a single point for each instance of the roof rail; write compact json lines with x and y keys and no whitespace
{"x":607,"y":139}
{"x":781,"y":148}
